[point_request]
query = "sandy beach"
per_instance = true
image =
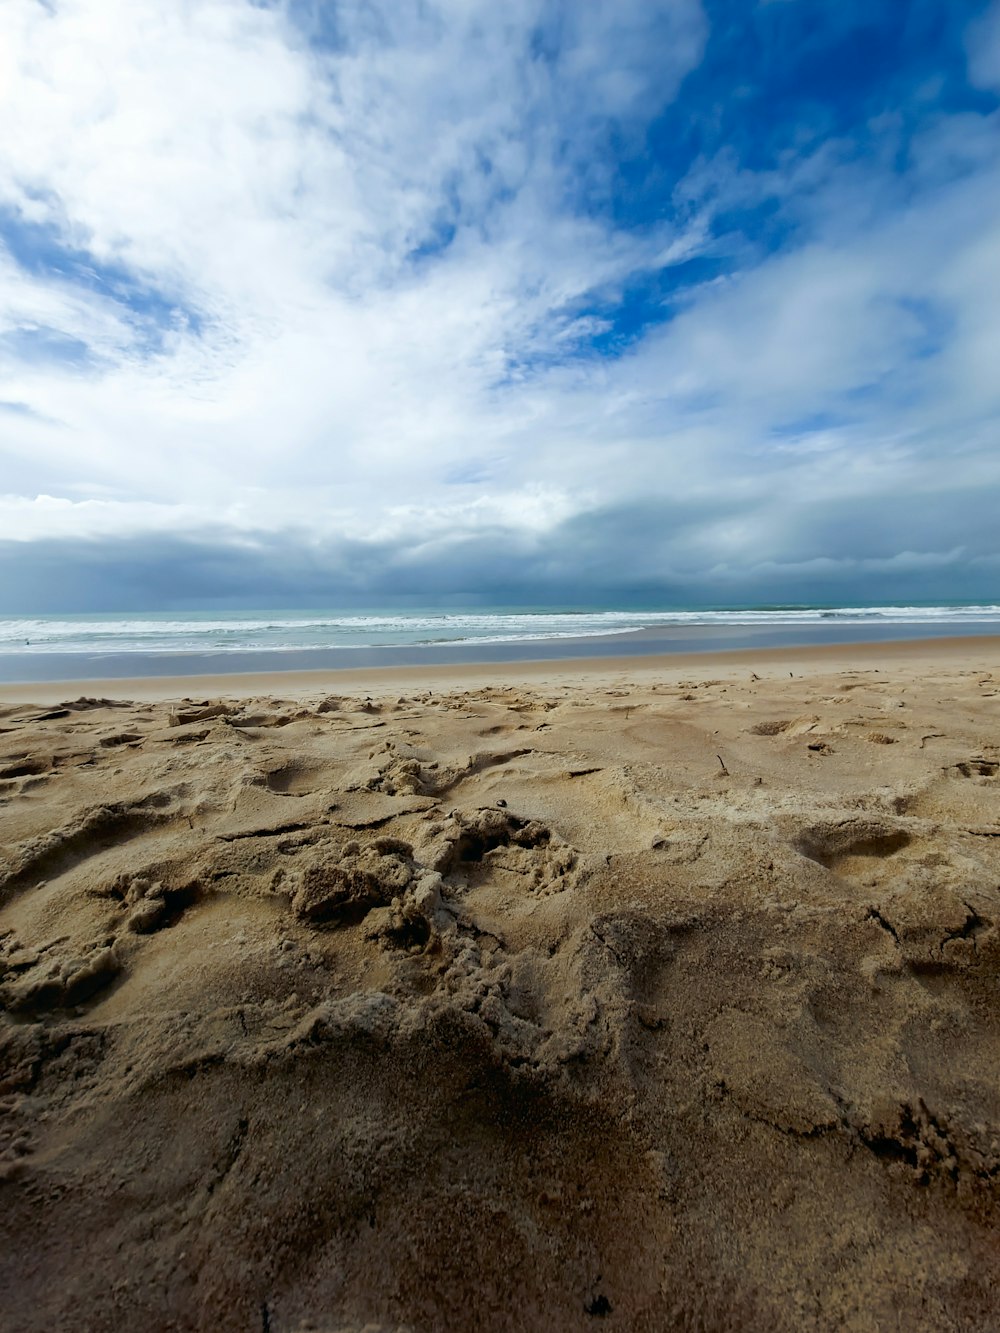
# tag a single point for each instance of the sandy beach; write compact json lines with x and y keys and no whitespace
{"x":638,"y":994}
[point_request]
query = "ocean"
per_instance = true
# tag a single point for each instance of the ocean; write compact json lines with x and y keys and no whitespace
{"x":170,"y":643}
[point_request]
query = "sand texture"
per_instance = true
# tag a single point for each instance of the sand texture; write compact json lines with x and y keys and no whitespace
{"x":663,"y":1002}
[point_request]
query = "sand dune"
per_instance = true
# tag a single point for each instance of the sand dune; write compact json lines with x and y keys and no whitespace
{"x":641,"y":1001}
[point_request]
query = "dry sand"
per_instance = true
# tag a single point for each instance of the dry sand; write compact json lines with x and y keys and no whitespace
{"x":639,"y":996}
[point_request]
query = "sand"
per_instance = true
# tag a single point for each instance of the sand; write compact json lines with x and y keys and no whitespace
{"x":658,"y":995}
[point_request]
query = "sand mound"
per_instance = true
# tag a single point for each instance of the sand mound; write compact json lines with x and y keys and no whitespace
{"x":318,"y":1015}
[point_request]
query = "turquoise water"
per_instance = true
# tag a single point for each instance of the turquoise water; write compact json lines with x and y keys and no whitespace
{"x":289,"y":631}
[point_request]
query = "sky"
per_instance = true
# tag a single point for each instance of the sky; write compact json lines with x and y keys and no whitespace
{"x":653,"y":302}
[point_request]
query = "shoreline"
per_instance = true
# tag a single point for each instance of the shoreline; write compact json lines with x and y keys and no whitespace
{"x":25,"y":667}
{"x":385,"y":678}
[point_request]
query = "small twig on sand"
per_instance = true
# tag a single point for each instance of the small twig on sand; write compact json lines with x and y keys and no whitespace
{"x":725,"y":770}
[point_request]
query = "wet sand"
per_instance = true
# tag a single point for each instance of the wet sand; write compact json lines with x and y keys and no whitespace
{"x":640,"y":994}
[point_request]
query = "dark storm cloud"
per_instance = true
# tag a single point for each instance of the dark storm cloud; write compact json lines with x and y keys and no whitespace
{"x":640,"y":553}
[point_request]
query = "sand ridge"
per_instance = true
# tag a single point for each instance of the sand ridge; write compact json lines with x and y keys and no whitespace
{"x":640,"y":1002}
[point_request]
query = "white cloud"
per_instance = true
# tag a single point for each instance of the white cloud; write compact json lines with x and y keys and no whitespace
{"x":278,"y":191}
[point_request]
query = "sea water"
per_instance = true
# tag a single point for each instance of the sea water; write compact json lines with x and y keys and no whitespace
{"x":243,"y":632}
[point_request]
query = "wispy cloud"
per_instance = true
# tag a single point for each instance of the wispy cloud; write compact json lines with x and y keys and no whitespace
{"x":984,"y":49}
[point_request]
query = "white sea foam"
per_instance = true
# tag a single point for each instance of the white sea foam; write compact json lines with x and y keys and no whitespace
{"x":256,"y":632}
